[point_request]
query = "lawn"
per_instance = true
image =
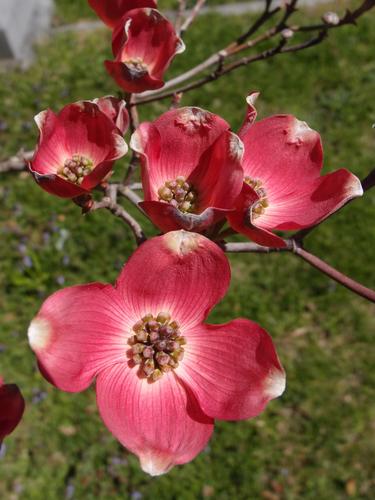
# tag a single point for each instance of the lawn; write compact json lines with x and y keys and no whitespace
{"x":317,"y":441}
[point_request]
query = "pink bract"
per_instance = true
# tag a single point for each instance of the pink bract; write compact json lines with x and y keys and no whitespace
{"x":111,"y":11}
{"x":143,"y":44}
{"x":282,"y":187}
{"x":162,"y":375}
{"x":116,"y":110}
{"x":12,"y":406}
{"x":195,"y":150}
{"x":77,"y":147}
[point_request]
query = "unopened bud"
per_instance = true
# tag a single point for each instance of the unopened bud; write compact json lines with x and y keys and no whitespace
{"x":138,"y":326}
{"x":331,"y":18}
{"x":166,"y":330}
{"x":165,"y":193}
{"x":287,"y":33}
{"x":149,"y":367}
{"x":160,"y":346}
{"x":156,"y":375}
{"x":163,"y":317}
{"x":152,"y":326}
{"x":180,"y":180}
{"x":162,"y":358}
{"x":148,"y":352}
{"x":142,"y":336}
{"x":154,"y":336}
{"x":137,"y":358}
{"x":186,"y":205}
{"x":138,"y":348}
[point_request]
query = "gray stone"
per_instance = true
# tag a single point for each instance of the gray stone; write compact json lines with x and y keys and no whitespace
{"x":22,"y":23}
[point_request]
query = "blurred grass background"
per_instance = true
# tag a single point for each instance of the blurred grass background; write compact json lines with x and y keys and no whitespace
{"x":317,"y":441}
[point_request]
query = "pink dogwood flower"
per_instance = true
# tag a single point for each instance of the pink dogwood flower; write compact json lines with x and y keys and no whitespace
{"x":162,"y":374}
{"x":111,"y":11}
{"x":191,"y":168}
{"x":76,"y":148}
{"x":12,"y":406}
{"x":143,"y":44}
{"x":283,"y":188}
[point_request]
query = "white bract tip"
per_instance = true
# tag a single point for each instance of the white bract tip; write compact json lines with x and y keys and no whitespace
{"x":181,"y":242}
{"x":39,"y":333}
{"x":275,"y":383}
{"x":154,"y":464}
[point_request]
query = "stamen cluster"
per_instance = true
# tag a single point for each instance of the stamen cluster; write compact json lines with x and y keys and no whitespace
{"x":178,"y":193}
{"x":136,"y":66}
{"x":76,"y":168}
{"x":156,"y":345}
{"x":259,"y":206}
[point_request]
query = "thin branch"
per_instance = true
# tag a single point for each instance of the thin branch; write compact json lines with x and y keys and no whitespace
{"x":296,"y":248}
{"x":190,"y":19}
{"x":120,"y":212}
{"x":217,"y":74}
{"x":235,"y":47}
{"x":129,"y":194}
{"x":16,"y":163}
{"x":333,"y":273}
{"x":180,"y":15}
{"x":132,"y":167}
{"x":280,"y":48}
{"x":133,"y":124}
{"x":348,"y":18}
{"x":369,"y":181}
{"x":265,"y":16}
{"x":136,"y":186}
{"x":250,"y":247}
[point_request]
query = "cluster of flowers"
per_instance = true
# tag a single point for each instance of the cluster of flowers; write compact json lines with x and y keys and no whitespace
{"x":195,"y":171}
{"x":162,"y":374}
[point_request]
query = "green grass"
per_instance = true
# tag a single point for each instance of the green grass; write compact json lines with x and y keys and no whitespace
{"x":317,"y":441}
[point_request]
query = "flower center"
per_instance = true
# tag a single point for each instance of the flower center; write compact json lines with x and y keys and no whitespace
{"x":259,"y":206}
{"x":157,"y":345}
{"x":178,"y":193}
{"x":76,"y":168}
{"x":136,"y":67}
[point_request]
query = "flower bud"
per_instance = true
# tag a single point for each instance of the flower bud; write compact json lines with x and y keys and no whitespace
{"x":331,"y":18}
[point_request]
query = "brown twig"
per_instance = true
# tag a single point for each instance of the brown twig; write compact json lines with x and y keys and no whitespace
{"x":180,"y":15}
{"x":280,"y":48}
{"x":369,"y":181}
{"x":349,"y":18}
{"x":190,"y":19}
{"x":296,"y":248}
{"x":240,"y":45}
{"x":120,"y":212}
{"x":16,"y":163}
{"x":265,"y":16}
{"x":129,"y":194}
{"x":133,"y":124}
{"x":333,"y":273}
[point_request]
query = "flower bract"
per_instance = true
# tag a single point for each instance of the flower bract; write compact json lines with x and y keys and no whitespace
{"x":112,"y":11}
{"x":143,"y":45}
{"x":191,"y":168}
{"x":12,"y":406}
{"x":162,"y":374}
{"x":283,"y":188}
{"x":76,"y":149}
